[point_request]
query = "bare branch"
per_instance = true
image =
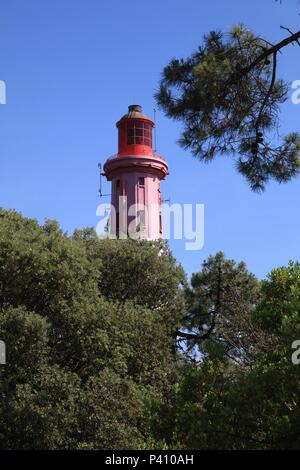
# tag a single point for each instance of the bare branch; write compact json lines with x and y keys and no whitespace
{"x":291,"y":33}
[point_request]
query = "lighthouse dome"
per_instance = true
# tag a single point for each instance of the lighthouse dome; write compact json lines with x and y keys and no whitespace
{"x":135,"y":112}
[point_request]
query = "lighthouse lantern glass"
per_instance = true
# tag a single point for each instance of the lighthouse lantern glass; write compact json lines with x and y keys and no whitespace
{"x":139,"y":132}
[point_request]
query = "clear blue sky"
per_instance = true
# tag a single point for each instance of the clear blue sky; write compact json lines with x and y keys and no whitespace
{"x":72,"y":67}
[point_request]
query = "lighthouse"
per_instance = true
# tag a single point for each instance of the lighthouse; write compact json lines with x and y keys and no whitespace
{"x":135,"y":173}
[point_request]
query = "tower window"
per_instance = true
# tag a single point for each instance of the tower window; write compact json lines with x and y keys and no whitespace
{"x":141,"y":181}
{"x":139,"y":133}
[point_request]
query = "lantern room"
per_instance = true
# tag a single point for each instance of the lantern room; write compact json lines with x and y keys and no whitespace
{"x":135,"y":132}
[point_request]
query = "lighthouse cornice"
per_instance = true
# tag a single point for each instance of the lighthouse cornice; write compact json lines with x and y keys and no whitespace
{"x":145,"y":163}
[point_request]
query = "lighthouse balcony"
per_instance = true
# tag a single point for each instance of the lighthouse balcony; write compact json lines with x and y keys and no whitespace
{"x":146,"y":163}
{"x":117,"y":155}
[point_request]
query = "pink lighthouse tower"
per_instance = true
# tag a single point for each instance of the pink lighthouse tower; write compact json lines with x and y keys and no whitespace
{"x":135,"y":173}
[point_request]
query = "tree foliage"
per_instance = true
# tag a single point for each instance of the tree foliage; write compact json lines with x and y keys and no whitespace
{"x":79,"y":360}
{"x":218,"y":404}
{"x":109,"y":347}
{"x":228,"y":97}
{"x":220,"y":305}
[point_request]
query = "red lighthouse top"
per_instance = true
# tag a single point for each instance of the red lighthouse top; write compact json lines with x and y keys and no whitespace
{"x":135,"y":151}
{"x":135,"y":132}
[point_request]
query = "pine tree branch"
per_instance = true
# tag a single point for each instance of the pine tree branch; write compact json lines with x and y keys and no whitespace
{"x":196,"y":336}
{"x":277,"y":47}
{"x":291,"y":33}
{"x":268,"y":94}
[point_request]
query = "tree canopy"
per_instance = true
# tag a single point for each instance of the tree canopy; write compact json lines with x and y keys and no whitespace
{"x":110,"y":347}
{"x":81,"y":355}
